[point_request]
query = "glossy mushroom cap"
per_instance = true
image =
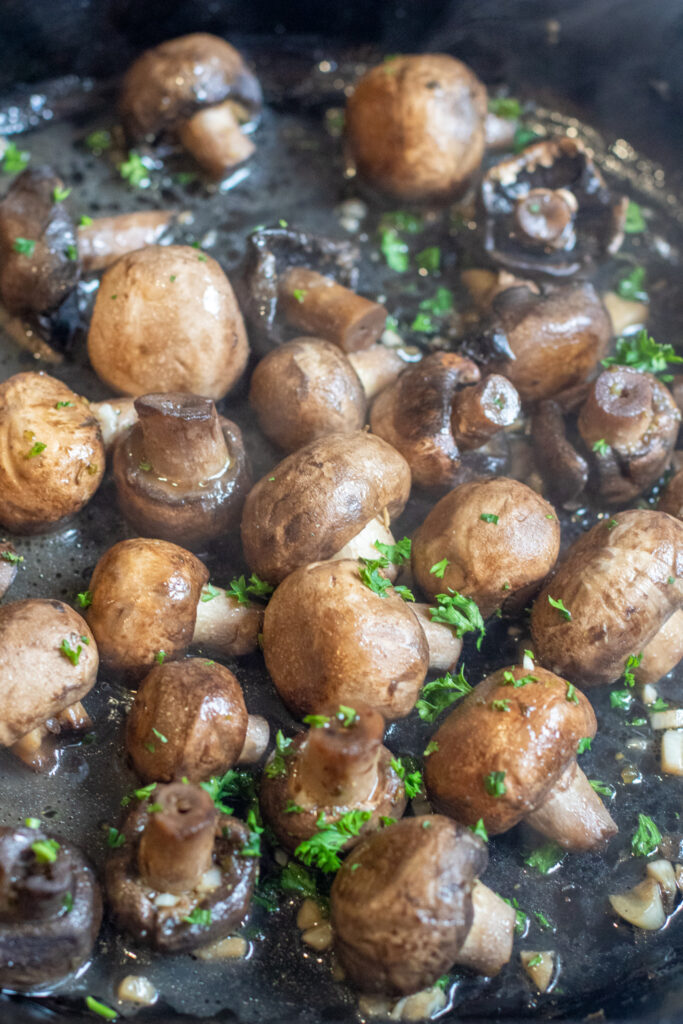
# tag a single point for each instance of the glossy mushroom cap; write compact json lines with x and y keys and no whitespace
{"x":166,"y":319}
{"x":500,"y":538}
{"x":48,"y":661}
{"x":329,"y":640}
{"x":619,"y":582}
{"x":415,"y":126}
{"x":144,"y":602}
{"x":528,"y":747}
{"x":317,"y":499}
{"x":51,"y":453}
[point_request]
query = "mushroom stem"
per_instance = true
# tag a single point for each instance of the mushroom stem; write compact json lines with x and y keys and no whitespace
{"x":488,"y":945}
{"x":255,"y":741}
{"x":215,"y":139}
{"x":572,"y":814}
{"x":102,"y":241}
{"x":444,"y":646}
{"x":225,"y":626}
{"x":176,"y":845}
{"x":363,"y":544}
{"x":377,"y":367}
{"x":320,"y":307}
{"x":618,"y":408}
{"x":663,"y":652}
{"x":182,"y":437}
{"x":481,"y":410}
{"x":72,"y":719}
{"x":115,"y":416}
{"x":36,"y":750}
{"x":339,"y":764}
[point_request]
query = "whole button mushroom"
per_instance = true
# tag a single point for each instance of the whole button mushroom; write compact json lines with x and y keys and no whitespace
{"x":499,"y":540}
{"x":507,"y":753}
{"x":321,"y":498}
{"x":181,"y":471}
{"x":330,"y":639}
{"x":406,"y":906}
{"x":182,"y":877}
{"x":50,"y":909}
{"x":51,"y":453}
{"x":612,"y":594}
{"x":340,"y":762}
{"x":150,"y":601}
{"x":415,"y":126}
{"x":189,"y":720}
{"x":48,"y":663}
{"x":166,"y":319}
{"x":431,"y":419}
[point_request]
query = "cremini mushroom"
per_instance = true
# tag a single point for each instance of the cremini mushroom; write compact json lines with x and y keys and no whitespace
{"x":564,"y":470}
{"x":102,"y":240}
{"x":507,"y":753}
{"x":316,"y":305}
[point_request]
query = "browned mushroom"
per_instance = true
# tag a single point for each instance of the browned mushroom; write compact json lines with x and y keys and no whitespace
{"x":150,"y":602}
{"x":563,"y":469}
{"x":319,"y":306}
{"x":338,"y":763}
{"x":180,"y":878}
{"x":103,"y":240}
{"x":611,"y":594}
{"x":431,"y":418}
{"x":499,"y":540}
{"x":415,"y":126}
{"x":51,"y":453}
{"x":406,"y":906}
{"x":50,"y":909}
{"x":9,"y":562}
{"x":671,"y":500}
{"x":662,"y":653}
{"x":48,"y":663}
{"x":166,"y":319}
{"x":181,"y":471}
{"x":507,"y":753}
{"x":317,"y":500}
{"x":189,"y":720}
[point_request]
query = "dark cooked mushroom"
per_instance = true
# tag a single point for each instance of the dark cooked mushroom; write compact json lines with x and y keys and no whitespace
{"x":616,"y":586}
{"x":317,"y":500}
{"x":103,"y":240}
{"x":507,"y":753}
{"x":340,"y":762}
{"x":406,"y":906}
{"x":415,"y":126}
{"x":150,"y":602}
{"x":50,"y":908}
{"x":563,"y":469}
{"x":48,"y":663}
{"x":499,"y":540}
{"x":189,"y":720}
{"x":9,"y":562}
{"x":181,"y":878}
{"x":549,"y":211}
{"x":317,"y":305}
{"x":166,"y":319}
{"x":429,"y":417}
{"x":181,"y":471}
{"x":51,"y":453}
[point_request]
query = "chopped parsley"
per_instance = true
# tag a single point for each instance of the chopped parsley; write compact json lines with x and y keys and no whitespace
{"x":440,"y":305}
{"x":45,"y":850}
{"x":67,"y":650}
{"x":543,"y":921}
{"x":35,"y":449}
{"x":500,"y":705}
{"x":634,"y":222}
{"x":545,"y":858}
{"x":603,"y":788}
{"x":372,"y":576}
{"x":133,"y":170}
{"x":98,"y":141}
{"x":283,"y":748}
{"x":438,"y":695}
{"x":401,"y":220}
{"x":601,"y":446}
{"x":505,"y":106}
{"x":431,"y":748}
{"x":509,"y":679}
{"x":494,"y":784}
{"x":322,"y":849}
{"x":347,"y":716}
{"x":14,"y":159}
{"x":395,"y":554}
{"x":143,"y":793}
{"x":480,"y":830}
{"x":64,"y":405}
{"x":429,"y":259}
{"x":633,"y":661}
{"x":316,"y":721}
{"x":523,"y":138}
{"x":460,"y":612}
{"x":299,"y":294}
{"x":407,"y":770}
{"x":25,"y":246}
{"x":295,"y":878}
{"x":200,"y":916}
{"x":115,"y":839}
{"x":252,"y":847}
{"x":242,"y":590}
{"x":385,"y":821}
{"x":658,"y":705}
{"x":12,"y":557}
{"x":439,"y":568}
{"x":394,"y":250}
{"x":60,"y":194}
{"x":100,"y":1009}
{"x":535,"y":960}
{"x":631,"y":285}
{"x":162,"y":739}
{"x":571,"y":695}
{"x":84,"y":598}
{"x":236,"y":784}
{"x":85,"y":220}
{"x":559,"y":604}
{"x":208,"y":593}
{"x":33,"y":823}
{"x":67,"y":902}
{"x":293,"y":808}
{"x":489,"y":517}
{"x":620,"y":699}
{"x":521,"y":919}
{"x":160,"y":657}
{"x":584,"y":745}
{"x":646,"y":838}
{"x":641,"y":352}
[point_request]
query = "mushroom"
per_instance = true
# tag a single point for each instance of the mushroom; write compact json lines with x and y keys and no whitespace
{"x":198,"y":88}
{"x":549,"y":211}
{"x":545,"y":344}
{"x":317,"y":500}
{"x":617,"y":584}
{"x":563,"y":469}
{"x":166,"y":319}
{"x":339,"y":763}
{"x":9,"y":560}
{"x":415,"y":126}
{"x":181,"y":471}
{"x":406,"y":906}
{"x":429,"y":417}
{"x":50,"y":909}
{"x":103,"y":240}
{"x":317,"y":305}
{"x":671,"y":500}
{"x":48,"y":663}
{"x":181,"y":878}
{"x":51,"y":453}
{"x":499,"y":540}
{"x":329,"y":639}
{"x":189,"y":720}
{"x":507,"y":753}
{"x":150,"y":602}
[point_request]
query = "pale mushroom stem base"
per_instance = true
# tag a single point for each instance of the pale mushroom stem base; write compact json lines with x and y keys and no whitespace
{"x":663,"y":652}
{"x":339,"y":767}
{"x":363,"y":544}
{"x":572,"y":814}
{"x":255,"y":741}
{"x":227,"y":627}
{"x":444,"y":646}
{"x":115,"y":416}
{"x":488,"y":945}
{"x":36,"y":748}
{"x":377,"y":367}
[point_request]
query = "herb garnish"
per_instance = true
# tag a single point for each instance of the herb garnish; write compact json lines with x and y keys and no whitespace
{"x":489,"y":517}
{"x":14,"y":159}
{"x":200,"y":916}
{"x":646,"y":838}
{"x":460,"y":612}
{"x":407,"y":770}
{"x":322,"y":849}
{"x":115,"y":839}
{"x":45,"y":850}
{"x":12,"y":557}
{"x":133,"y":170}
{"x":25,"y":246}
{"x":601,"y":446}
{"x":505,"y":106}
{"x":631,"y":285}
{"x":439,"y":568}
{"x":283,"y":748}
{"x":545,"y":858}
{"x":641,"y":352}
{"x":634,"y":222}
{"x":584,"y":745}
{"x":99,"y":1008}
{"x":60,"y":194}
{"x":559,"y":604}
{"x":67,"y":650}
{"x":603,"y":788}
{"x":494,"y":784}
{"x":480,"y":830}
{"x":242,"y":590}
{"x":438,"y":695}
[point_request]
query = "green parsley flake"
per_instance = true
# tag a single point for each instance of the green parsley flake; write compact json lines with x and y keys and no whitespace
{"x":316,"y":721}
{"x":71,"y":252}
{"x":524,"y":137}
{"x":459,"y":612}
{"x":236,"y":785}
{"x":584,"y":745}
{"x":500,"y":705}
{"x":115,"y":839}
{"x":243,"y":591}
{"x":45,"y":850}
{"x":12,"y":557}
{"x":646,"y":838}
{"x":620,"y":699}
{"x":14,"y":159}
{"x":295,"y":878}
{"x":510,"y":679}
{"x":572,"y":696}
{"x":633,"y":661}
{"x":642,"y":352}
{"x":395,"y":554}
{"x":429,"y":259}
{"x":60,"y":194}
{"x":299,"y":294}
{"x":160,"y":657}
{"x":545,"y":858}
{"x":407,"y":770}
{"x":480,"y":830}
{"x":208,"y":593}
{"x":535,"y":960}
{"x":505,"y":106}
{"x":601,"y":447}
{"x":84,"y":598}
{"x":489,"y":517}
{"x":494,"y":784}
{"x":634,"y":223}
{"x":439,"y":568}
{"x":431,"y":748}
{"x":67,"y":651}
{"x":394,"y":250}
{"x":438,"y":695}
{"x":200,"y":916}
{"x":33,"y":823}
{"x":85,"y":221}
{"x":283,"y":748}
{"x":631,"y":285}
{"x":24,"y":246}
{"x":559,"y":604}
{"x":100,"y":1008}
{"x":603,"y":788}
{"x":292,"y":808}
{"x":98,"y":141}
{"x":133,"y":170}
{"x":322,"y":849}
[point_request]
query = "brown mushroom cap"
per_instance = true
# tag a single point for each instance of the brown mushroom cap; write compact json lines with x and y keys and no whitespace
{"x":144,"y":600}
{"x":306,"y":389}
{"x":490,"y":562}
{"x":51,"y":453}
{"x":172,"y":81}
{"x":311,"y":504}
{"x":329,"y":640}
{"x":671,"y":500}
{"x":198,"y":708}
{"x":401,"y":904}
{"x":39,"y":679}
{"x":620,"y":582}
{"x":166,"y":319}
{"x":531,"y":744}
{"x":416,"y":126}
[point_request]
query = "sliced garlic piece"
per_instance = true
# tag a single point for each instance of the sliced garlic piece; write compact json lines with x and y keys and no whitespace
{"x":540,"y":966}
{"x":641,"y":906}
{"x":672,"y":752}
